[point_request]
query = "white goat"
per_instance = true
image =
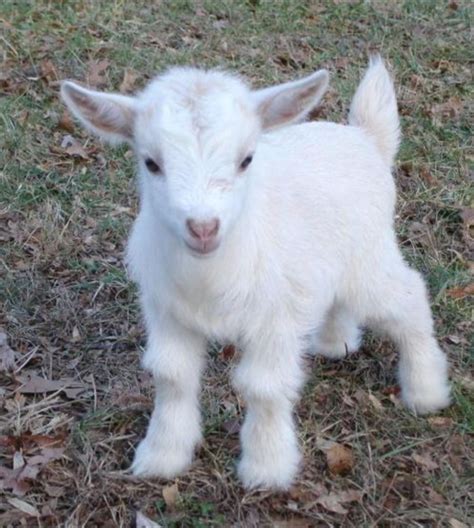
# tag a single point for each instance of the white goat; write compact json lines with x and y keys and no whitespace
{"x":278,"y":240}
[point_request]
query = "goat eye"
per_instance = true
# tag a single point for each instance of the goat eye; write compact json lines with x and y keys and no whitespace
{"x":247,"y":161}
{"x":152,"y":166}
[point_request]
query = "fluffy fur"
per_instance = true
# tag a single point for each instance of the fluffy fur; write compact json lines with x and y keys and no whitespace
{"x":306,"y":255}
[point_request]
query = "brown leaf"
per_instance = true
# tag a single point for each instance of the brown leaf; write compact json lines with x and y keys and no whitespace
{"x":460,"y":292}
{"x":7,"y":441}
{"x":449,"y":110}
{"x":467,"y":216}
{"x":129,"y":79}
{"x":96,"y":74}
{"x":53,"y":491}
{"x":65,"y":122}
{"x":48,"y":71}
{"x":72,"y":147}
{"x":333,"y":501}
{"x":28,"y":439}
{"x":427,"y":177}
{"x":425,"y":461}
{"x":419,"y":233}
{"x":16,"y":479}
{"x":435,"y":497}
{"x":7,"y":355}
{"x":307,"y":493}
{"x":231,"y":426}
{"x":34,"y":384}
{"x":170,"y":495}
{"x":340,"y":459}
{"x":47,"y":455}
{"x":392,"y":390}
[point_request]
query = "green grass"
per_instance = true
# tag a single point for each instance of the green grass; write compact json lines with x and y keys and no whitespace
{"x":64,"y":221}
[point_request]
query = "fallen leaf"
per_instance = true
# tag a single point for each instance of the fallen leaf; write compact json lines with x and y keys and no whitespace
{"x":18,"y":460}
{"x":341,"y":63}
{"x":23,"y":506}
{"x":17,"y":479}
{"x":47,"y":440}
{"x":231,"y":426}
{"x":416,"y":81}
{"x":33,"y":384}
{"x":435,"y":497}
{"x":449,"y":110}
{"x":333,"y":501}
{"x":142,"y":521}
{"x":27,"y":441}
{"x":460,"y":292}
{"x":48,"y":71}
{"x":395,"y":400}
{"x":128,"y":83}
{"x":65,"y":122}
{"x":419,"y":233}
{"x":53,"y":491}
{"x":375,"y":402}
{"x":454,"y":523}
{"x":170,"y":495}
{"x":425,"y":461}
{"x":347,"y":400}
{"x":76,"y":336}
{"x":307,"y":493}
{"x":440,"y":421}
{"x":7,"y":441}
{"x":72,"y":147}
{"x":338,"y":457}
{"x":455,"y":340}
{"x":467,"y":216}
{"x":427,"y":177}
{"x":96,"y":74}
{"x":7,"y":355}
{"x":47,"y":455}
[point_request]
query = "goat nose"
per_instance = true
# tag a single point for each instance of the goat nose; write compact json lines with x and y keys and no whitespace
{"x":203,"y":230}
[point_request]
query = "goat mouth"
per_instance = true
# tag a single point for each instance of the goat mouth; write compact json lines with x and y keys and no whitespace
{"x":202,"y":250}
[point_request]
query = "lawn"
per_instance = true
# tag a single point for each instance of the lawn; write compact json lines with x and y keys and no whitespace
{"x":74,"y":401}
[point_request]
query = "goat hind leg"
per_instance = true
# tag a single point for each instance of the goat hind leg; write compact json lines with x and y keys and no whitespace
{"x":400,"y":307}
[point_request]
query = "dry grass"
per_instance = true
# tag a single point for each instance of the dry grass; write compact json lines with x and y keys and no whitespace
{"x":71,"y":316}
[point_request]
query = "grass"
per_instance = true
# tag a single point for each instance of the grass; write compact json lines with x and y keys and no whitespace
{"x":70,"y":312}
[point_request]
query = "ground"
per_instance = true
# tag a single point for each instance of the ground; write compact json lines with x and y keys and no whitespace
{"x":74,"y":401}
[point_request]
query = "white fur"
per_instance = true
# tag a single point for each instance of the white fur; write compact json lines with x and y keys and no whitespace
{"x":374,"y":108}
{"x":307,"y":253}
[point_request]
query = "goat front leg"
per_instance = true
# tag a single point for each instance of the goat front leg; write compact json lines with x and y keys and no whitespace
{"x":175,"y":356}
{"x":269,"y":376}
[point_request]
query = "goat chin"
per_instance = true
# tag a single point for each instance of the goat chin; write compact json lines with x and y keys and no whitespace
{"x":297,"y":250}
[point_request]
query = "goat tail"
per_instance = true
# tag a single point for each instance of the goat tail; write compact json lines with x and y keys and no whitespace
{"x":374,"y":109}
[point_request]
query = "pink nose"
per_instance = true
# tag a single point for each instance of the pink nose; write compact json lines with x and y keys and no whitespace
{"x":203,"y":231}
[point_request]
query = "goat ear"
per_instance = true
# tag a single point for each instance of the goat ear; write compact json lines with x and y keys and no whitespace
{"x":110,"y":116}
{"x":290,"y":102}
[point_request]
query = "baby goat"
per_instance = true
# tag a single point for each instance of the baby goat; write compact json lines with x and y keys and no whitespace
{"x":275,"y":236}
